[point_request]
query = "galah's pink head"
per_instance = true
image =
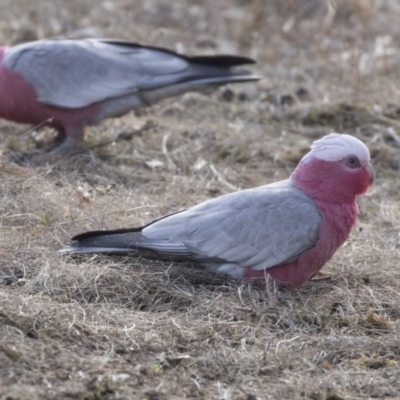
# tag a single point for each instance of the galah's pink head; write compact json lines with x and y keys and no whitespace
{"x":337,"y":169}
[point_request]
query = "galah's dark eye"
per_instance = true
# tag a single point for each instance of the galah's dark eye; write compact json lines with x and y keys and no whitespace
{"x":352,"y":161}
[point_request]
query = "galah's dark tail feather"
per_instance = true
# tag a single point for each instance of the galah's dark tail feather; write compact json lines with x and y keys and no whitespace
{"x":124,"y":242}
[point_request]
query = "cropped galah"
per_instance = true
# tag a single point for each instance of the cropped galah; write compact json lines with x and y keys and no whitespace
{"x":68,"y":84}
{"x":286,"y":230}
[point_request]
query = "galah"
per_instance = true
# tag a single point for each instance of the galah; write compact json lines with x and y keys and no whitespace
{"x":68,"y":84}
{"x":286,"y":230}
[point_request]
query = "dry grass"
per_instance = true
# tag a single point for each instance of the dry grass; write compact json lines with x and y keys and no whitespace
{"x":107,"y":328}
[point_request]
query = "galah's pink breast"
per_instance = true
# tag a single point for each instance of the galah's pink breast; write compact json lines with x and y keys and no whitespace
{"x":19,"y":103}
{"x":337,"y":222}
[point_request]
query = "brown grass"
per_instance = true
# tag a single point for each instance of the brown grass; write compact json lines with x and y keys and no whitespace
{"x":107,"y":328}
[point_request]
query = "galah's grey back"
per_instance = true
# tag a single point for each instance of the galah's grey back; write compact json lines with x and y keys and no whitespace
{"x":72,"y":73}
{"x":256,"y":228}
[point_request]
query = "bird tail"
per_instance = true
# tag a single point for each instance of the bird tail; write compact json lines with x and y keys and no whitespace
{"x":152,"y":96}
{"x":217,"y":70}
{"x":220,"y":60}
{"x":127,"y":242}
{"x":122,"y":241}
{"x":203,"y":72}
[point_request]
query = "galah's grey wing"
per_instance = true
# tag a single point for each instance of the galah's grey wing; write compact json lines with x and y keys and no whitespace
{"x":71,"y":73}
{"x":257,"y":228}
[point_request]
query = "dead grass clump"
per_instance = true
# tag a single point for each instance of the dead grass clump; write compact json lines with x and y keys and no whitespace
{"x":375,"y":362}
{"x":374,"y":323}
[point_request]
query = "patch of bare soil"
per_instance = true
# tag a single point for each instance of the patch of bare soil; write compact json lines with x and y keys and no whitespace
{"x":94,"y":327}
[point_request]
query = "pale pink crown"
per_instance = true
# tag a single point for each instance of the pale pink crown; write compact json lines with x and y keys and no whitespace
{"x":336,"y":146}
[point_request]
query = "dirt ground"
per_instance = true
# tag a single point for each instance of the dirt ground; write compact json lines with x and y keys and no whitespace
{"x":100,"y":327}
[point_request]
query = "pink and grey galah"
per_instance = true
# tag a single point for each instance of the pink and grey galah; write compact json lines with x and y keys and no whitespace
{"x":74,"y":83}
{"x":286,"y":230}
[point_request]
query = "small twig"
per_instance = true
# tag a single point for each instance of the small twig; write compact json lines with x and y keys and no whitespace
{"x":221,"y":178}
{"x":164,"y":148}
{"x":387,"y":120}
{"x":284,"y":341}
{"x":394,"y":136}
{"x":21,"y":215}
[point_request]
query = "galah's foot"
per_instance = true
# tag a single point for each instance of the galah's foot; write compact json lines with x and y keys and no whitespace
{"x":62,"y":152}
{"x":67,"y":149}
{"x":38,"y":157}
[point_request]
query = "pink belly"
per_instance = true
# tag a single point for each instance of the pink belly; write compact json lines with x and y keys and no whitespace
{"x":18,"y":103}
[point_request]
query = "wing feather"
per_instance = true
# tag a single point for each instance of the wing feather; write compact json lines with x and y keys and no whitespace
{"x":257,"y":228}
